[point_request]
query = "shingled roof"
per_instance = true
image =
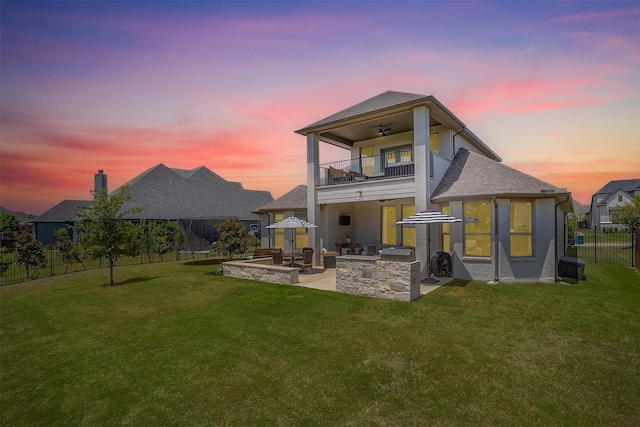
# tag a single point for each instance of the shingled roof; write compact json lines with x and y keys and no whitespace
{"x":628,"y":185}
{"x":65,"y":211}
{"x":22,"y":217}
{"x":295,"y":199}
{"x":473,"y":175}
{"x":385,"y":100}
{"x":167,"y":193}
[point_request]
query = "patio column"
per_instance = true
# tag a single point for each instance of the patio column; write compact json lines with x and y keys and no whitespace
{"x":313,"y":178}
{"x":422,"y":179}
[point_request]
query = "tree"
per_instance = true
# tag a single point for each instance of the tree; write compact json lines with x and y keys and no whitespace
{"x":9,"y":222}
{"x":629,"y":213}
{"x":4,"y":262}
{"x":103,"y":229}
{"x":233,"y":239}
{"x":30,"y":254}
{"x":65,"y":248}
{"x":175,"y":237}
{"x":148,"y":234}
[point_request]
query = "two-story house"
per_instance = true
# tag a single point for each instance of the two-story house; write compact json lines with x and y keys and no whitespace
{"x":406,"y":153}
{"x":606,"y":202}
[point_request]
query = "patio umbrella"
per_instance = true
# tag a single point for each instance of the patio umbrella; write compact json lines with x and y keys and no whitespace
{"x":292,"y":223}
{"x":428,"y":217}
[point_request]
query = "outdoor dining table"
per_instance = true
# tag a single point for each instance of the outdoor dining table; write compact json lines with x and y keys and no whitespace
{"x":290,"y":259}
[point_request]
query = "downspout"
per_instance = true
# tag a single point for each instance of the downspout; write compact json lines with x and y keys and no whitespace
{"x":453,"y":140}
{"x":555,"y":237}
{"x":497,"y":250}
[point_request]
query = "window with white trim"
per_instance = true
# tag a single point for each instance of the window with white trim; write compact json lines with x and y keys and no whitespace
{"x":520,"y":228}
{"x":477,"y":235}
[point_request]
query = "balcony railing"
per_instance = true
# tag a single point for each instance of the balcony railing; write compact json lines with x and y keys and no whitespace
{"x":390,"y":164}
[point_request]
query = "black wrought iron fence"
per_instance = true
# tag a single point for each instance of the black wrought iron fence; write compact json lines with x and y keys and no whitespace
{"x":55,"y":265}
{"x":607,"y":245}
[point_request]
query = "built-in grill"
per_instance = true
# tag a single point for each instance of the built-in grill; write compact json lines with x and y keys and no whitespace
{"x":440,"y":264}
{"x":398,"y":254}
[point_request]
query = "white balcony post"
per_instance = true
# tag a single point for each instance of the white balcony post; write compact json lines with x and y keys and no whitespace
{"x":422,"y":179}
{"x":313,"y":180}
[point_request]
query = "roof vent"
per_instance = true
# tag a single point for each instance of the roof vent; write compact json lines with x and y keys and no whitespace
{"x":547,"y":191}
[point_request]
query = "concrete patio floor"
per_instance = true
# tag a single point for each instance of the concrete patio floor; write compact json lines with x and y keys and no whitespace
{"x":326,"y":280}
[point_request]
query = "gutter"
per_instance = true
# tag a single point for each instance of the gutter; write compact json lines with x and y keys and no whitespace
{"x":453,"y":140}
{"x":497,"y":250}
{"x":555,"y":227}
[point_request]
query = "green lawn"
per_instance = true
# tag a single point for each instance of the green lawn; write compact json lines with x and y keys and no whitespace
{"x":172,"y":345}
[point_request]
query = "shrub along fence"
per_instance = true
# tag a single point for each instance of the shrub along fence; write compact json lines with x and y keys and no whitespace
{"x":607,"y":245}
{"x":55,"y":265}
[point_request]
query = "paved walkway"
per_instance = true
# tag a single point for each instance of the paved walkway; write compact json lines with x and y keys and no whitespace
{"x":326,"y":281}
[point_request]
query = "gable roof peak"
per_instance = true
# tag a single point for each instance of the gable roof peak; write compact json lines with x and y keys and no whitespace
{"x":381,"y":101}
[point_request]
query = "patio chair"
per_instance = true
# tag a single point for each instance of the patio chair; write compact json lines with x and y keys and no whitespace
{"x":276,"y":254}
{"x":336,"y":175}
{"x":307,"y":260}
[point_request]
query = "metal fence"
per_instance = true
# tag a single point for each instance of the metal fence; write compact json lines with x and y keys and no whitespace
{"x":613,"y":246}
{"x":55,"y":265}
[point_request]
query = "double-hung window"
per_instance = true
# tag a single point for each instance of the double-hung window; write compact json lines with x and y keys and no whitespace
{"x":398,"y":156}
{"x":477,"y":235}
{"x":520,"y":229}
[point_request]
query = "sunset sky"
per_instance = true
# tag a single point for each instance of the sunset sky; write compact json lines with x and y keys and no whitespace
{"x":551,"y":87}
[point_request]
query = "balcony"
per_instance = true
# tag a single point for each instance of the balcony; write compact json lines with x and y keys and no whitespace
{"x":389,"y":164}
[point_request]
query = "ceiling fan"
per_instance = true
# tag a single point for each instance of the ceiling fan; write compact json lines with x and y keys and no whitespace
{"x":382,"y":132}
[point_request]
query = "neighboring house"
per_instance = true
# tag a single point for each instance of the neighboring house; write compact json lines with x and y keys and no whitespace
{"x":407,"y":153}
{"x":607,"y":201}
{"x":21,"y":216}
{"x":293,"y":203}
{"x":198,"y":198}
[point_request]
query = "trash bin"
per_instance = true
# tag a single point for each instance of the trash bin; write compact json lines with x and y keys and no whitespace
{"x":572,"y":268}
{"x":329,"y":259}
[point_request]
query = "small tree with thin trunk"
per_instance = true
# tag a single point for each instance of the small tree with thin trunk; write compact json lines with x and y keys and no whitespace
{"x":175,"y":237}
{"x":147,"y":232}
{"x":30,"y":254}
{"x":65,"y":248}
{"x":104,"y":231}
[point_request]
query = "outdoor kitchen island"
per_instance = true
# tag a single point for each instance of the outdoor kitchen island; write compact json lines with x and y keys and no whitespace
{"x":379,"y":276}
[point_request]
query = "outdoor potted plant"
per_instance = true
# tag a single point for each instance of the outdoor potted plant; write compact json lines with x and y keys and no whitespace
{"x":348,"y":238}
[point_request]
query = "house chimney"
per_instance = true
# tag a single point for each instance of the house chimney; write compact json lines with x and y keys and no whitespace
{"x":100,"y":180}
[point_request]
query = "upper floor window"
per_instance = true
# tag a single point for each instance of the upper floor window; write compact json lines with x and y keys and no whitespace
{"x":520,"y":229}
{"x":433,"y":142}
{"x":398,"y":155}
{"x":477,"y":235}
{"x":619,"y":197}
{"x":367,"y":160}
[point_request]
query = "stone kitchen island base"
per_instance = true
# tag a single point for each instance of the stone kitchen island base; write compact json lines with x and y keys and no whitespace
{"x":372,"y":277}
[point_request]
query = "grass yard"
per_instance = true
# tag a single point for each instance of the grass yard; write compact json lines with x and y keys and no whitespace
{"x":172,"y":345}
